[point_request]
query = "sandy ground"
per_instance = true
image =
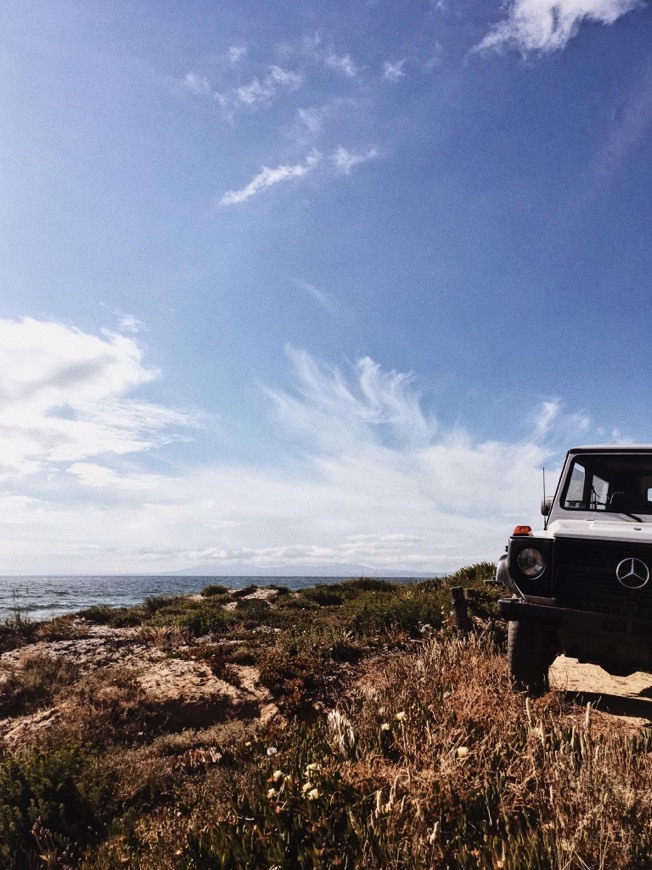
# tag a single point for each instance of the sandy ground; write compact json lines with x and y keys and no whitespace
{"x":184,"y":689}
{"x":626,"y":698}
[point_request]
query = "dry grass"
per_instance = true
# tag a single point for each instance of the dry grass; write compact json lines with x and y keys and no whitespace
{"x":34,"y":683}
{"x":441,"y":765}
{"x":399,"y":746}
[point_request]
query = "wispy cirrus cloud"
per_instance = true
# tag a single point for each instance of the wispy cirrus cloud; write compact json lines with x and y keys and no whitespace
{"x":342,"y":158}
{"x":262,"y":90}
{"x":374,"y":398}
{"x":312,"y":118}
{"x":545,"y":26}
{"x":346,"y":160}
{"x":268,"y":177}
{"x":325,"y":300}
{"x":342,"y":63}
{"x":393,"y":70}
{"x":549,"y":417}
{"x":630,"y":129}
{"x":367,"y":478}
{"x":314,"y":48}
{"x":236,"y":53}
{"x":197,"y":85}
{"x":254,"y":92}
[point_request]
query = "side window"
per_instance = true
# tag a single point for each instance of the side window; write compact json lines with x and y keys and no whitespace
{"x":599,"y":492}
{"x":575,"y":492}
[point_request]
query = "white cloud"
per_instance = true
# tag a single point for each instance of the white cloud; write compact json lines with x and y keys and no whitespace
{"x":632,"y":127}
{"x":268,"y":177}
{"x":393,"y":72}
{"x":343,"y":160}
{"x":64,"y":397}
{"x":129,"y":323}
{"x":197,"y":85}
{"x":255,"y":92}
{"x":236,"y":53}
{"x":436,"y":58}
{"x":342,"y":63}
{"x":549,"y":418}
{"x":346,"y":160}
{"x":547,"y":25}
{"x":367,"y":476}
{"x":376,"y":398}
{"x":312,"y":118}
{"x":261,"y":91}
{"x":324,"y":300}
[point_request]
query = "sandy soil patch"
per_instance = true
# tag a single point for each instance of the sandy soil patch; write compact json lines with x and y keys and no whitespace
{"x":626,"y":698}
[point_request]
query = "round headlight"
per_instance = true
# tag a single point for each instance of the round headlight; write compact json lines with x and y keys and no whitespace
{"x":530,"y":562}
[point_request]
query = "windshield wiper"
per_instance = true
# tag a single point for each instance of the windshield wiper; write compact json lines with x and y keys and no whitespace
{"x":626,"y":514}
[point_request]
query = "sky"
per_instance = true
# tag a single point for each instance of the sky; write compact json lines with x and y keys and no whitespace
{"x":313,"y":287}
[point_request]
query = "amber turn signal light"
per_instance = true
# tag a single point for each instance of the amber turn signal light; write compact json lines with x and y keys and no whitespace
{"x":522,"y":530}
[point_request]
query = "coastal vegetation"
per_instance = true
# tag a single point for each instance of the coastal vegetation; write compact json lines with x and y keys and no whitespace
{"x":349,"y":725}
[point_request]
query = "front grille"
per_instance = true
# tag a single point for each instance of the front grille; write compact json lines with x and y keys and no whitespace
{"x":585,"y":578}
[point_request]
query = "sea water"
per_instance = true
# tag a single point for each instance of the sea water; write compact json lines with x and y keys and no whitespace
{"x":44,"y":597}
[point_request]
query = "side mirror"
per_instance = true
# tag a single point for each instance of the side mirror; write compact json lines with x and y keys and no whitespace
{"x":546,"y":505}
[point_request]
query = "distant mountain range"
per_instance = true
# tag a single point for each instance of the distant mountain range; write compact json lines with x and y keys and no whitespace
{"x":344,"y":571}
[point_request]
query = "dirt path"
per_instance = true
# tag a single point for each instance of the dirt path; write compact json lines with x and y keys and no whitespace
{"x":627,"y":698}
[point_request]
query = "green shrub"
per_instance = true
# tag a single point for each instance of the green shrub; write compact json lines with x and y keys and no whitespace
{"x":473,"y":575}
{"x":117,"y":617}
{"x":214,"y":589}
{"x":67,"y":627}
{"x":367,"y":584}
{"x":325,"y":596}
{"x":252,"y":611}
{"x":206,"y":619}
{"x":297,"y":602}
{"x":56,"y":801}
{"x":16,"y":631}
{"x":405,"y":609}
{"x":100,"y":614}
{"x":153,"y":603}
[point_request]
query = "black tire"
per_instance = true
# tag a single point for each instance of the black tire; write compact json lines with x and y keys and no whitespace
{"x":530,"y":652}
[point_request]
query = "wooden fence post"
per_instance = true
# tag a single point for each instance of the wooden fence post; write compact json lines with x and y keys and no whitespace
{"x":460,"y":613}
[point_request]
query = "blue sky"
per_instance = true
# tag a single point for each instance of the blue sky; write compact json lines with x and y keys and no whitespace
{"x":313,"y":287}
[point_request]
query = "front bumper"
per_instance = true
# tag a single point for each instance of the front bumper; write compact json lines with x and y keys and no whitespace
{"x":565,"y":618}
{"x":620,"y":644}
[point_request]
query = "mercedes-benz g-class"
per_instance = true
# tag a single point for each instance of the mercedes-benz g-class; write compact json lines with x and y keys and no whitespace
{"x":582,"y":586}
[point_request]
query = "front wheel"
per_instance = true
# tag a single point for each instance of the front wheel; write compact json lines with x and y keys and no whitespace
{"x":530,"y":652}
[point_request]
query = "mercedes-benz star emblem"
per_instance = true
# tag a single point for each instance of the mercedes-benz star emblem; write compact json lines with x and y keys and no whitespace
{"x":632,"y":573}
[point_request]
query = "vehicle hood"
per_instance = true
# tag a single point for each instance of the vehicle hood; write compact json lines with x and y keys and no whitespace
{"x":606,"y":530}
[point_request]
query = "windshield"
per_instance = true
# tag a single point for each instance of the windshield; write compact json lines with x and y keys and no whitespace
{"x":612,"y":482}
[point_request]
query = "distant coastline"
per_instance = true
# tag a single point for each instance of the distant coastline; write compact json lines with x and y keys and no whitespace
{"x":40,"y":597}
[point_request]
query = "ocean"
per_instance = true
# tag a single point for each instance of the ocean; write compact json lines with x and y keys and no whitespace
{"x":38,"y":598}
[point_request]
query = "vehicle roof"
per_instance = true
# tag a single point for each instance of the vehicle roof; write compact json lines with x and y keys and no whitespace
{"x":613,"y":448}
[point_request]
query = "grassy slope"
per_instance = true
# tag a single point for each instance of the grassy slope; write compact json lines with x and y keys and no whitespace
{"x":398,"y":744}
